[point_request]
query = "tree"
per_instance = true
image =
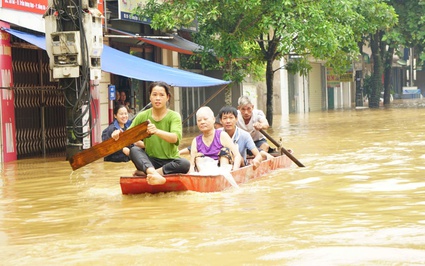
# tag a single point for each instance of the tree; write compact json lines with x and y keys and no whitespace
{"x":308,"y":29}
{"x":247,"y":33}
{"x":409,"y":32}
{"x":376,"y":18}
{"x":395,"y":24}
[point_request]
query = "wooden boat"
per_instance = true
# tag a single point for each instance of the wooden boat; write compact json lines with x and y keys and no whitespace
{"x":202,"y":183}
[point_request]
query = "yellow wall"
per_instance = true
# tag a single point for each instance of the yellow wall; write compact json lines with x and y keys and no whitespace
{"x":315,"y":88}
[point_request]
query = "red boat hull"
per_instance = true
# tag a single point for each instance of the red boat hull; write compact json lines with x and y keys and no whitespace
{"x":202,"y":183}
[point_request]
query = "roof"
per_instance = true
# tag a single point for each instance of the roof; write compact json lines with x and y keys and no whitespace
{"x":120,"y":63}
{"x":171,"y":42}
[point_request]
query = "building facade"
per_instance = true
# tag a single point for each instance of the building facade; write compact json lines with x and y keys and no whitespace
{"x":33,"y":120}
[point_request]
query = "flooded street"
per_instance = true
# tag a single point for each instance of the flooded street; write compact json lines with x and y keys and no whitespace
{"x":360,"y":200}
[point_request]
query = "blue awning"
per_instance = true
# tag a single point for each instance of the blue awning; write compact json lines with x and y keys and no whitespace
{"x":37,"y":40}
{"x":120,"y":63}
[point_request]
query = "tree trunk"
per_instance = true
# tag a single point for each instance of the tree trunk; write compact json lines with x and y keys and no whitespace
{"x":269,"y":84}
{"x":388,"y":75}
{"x":270,"y":54}
{"x":376,"y":82}
{"x":228,"y":95}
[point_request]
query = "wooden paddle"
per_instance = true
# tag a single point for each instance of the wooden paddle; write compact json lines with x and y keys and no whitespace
{"x":109,"y":146}
{"x":287,"y":153}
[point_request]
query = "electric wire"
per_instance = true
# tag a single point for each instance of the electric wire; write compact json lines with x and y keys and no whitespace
{"x":73,"y":13}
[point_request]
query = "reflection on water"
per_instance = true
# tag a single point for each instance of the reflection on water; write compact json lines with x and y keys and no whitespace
{"x":359,"y":201}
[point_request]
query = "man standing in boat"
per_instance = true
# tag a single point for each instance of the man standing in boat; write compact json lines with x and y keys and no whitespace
{"x":212,"y":143}
{"x":228,"y":117}
{"x":252,"y":120}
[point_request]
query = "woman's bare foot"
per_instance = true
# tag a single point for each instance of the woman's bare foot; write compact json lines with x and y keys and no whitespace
{"x":139,"y":173}
{"x":126,"y":151}
{"x":155,"y":179}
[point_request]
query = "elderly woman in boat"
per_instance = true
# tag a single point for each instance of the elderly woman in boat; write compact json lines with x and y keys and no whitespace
{"x":161,"y":154}
{"x":212,"y":143}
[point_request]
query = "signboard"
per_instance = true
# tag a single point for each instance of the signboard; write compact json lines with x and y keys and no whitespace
{"x":35,"y":6}
{"x":8,"y":130}
{"x":346,"y":77}
{"x":411,"y":90}
{"x":112,"y":94}
{"x":126,"y":7}
{"x":332,"y":79}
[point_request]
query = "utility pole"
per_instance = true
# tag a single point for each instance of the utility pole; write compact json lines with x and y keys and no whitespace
{"x":74,"y":44}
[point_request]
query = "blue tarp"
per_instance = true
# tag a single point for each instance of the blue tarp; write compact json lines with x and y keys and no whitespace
{"x":120,"y":63}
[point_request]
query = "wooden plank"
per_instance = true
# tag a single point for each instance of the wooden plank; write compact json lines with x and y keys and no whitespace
{"x":109,"y":146}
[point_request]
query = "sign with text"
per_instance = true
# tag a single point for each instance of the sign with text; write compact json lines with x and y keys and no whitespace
{"x":332,"y":79}
{"x":34,"y":6}
{"x":7,"y":99}
{"x":126,"y":7}
{"x":346,"y":77}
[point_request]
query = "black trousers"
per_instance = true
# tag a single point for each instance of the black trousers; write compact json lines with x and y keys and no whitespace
{"x":169,"y":166}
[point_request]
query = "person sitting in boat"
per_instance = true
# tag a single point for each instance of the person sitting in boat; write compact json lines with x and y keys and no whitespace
{"x":252,"y":120}
{"x":161,"y":154}
{"x":212,"y":143}
{"x":217,"y":125}
{"x":120,"y":124}
{"x":228,"y":117}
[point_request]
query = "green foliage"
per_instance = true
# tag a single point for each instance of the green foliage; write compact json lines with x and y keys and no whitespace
{"x":301,"y":66}
{"x":375,"y":21}
{"x":241,"y":36}
{"x":395,"y":25}
{"x":245,"y":33}
{"x":410,"y":31}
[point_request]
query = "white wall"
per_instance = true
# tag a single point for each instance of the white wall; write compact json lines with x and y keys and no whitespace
{"x":171,"y":59}
{"x":342,"y":96}
{"x":301,"y":92}
{"x":346,"y":97}
{"x":315,"y":87}
{"x":27,"y":20}
{"x":249,"y":88}
{"x":104,"y":99}
{"x":338,"y":97}
{"x":284,"y":89}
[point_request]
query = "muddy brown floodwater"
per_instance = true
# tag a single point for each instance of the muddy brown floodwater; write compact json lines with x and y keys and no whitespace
{"x":360,"y":200}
